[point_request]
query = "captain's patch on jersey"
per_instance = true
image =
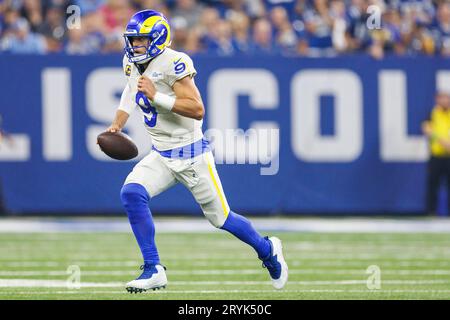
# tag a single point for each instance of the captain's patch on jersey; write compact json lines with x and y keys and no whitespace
{"x":128,"y":70}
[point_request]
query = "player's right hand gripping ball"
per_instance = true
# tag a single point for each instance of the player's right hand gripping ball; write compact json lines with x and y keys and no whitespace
{"x":117,"y":145}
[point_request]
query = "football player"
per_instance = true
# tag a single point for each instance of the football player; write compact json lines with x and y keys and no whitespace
{"x":161,"y":85}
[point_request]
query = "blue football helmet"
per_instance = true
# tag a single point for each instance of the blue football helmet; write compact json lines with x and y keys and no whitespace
{"x":152,"y":25}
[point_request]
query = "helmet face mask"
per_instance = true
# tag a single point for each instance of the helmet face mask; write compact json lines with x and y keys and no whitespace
{"x":131,"y":51}
{"x":151,"y":25}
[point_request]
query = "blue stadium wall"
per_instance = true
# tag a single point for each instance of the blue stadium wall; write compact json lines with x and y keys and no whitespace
{"x":349,"y":136}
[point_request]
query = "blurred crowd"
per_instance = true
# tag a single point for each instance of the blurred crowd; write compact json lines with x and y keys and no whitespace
{"x":314,"y":28}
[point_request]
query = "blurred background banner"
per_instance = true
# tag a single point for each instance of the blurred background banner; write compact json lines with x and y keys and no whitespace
{"x":345,"y":133}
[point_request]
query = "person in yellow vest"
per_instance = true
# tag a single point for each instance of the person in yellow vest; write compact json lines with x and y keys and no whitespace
{"x":437,"y":129}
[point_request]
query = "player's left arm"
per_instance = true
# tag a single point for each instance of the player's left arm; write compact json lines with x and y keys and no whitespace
{"x":188,"y":101}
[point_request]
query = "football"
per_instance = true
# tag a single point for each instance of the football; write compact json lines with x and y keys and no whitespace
{"x":117,"y":145}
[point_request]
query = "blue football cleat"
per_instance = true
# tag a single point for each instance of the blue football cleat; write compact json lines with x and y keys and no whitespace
{"x":152,"y":277}
{"x":275,"y":263}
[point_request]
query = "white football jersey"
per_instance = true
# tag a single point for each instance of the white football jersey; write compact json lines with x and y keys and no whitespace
{"x":167,"y":129}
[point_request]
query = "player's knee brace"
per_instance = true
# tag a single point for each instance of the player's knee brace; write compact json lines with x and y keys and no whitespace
{"x":214,"y":213}
{"x":134,"y":198}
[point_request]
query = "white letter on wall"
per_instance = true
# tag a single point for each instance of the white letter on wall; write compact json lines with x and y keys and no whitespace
{"x":395,"y":143}
{"x":56,"y":114}
{"x":443,"y":81}
{"x":15,"y":147}
{"x":224,"y":87}
{"x":306,"y":89}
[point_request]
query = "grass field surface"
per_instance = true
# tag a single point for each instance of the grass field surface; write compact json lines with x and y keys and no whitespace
{"x":217,"y":266}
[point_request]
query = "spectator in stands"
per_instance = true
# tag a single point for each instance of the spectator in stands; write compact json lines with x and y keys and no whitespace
{"x":220,"y":41}
{"x":21,"y":40}
{"x":75,"y":44}
{"x":299,"y":27}
{"x":287,"y":5}
{"x":193,"y":44}
{"x":285,"y":37}
{"x":414,"y":11}
{"x":157,"y":5}
{"x":180,"y":33}
{"x":54,"y":28}
{"x":340,"y":25}
{"x":191,"y":10}
{"x":420,"y":40}
{"x":442,"y":28}
{"x":114,"y":14}
{"x":230,"y":7}
{"x":388,"y":38}
{"x":8,"y":16}
{"x":89,"y":6}
{"x":437,"y":129}
{"x":204,"y":31}
{"x":254,"y":9}
{"x":358,"y":35}
{"x":319,"y":24}
{"x":90,"y":39}
{"x":240,"y":24}
{"x":210,"y":17}
{"x":32,"y":12}
{"x":262,"y":42}
{"x":2,"y":18}
{"x":229,"y":27}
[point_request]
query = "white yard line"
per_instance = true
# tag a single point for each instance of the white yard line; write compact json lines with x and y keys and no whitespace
{"x":381,"y":264}
{"x":168,"y":291}
{"x":223,"y":272}
{"x":203,"y":263}
{"x":13,"y":283}
{"x":312,"y":283}
{"x":221,"y":252}
{"x":252,"y":257}
{"x":190,"y":225}
{"x":34,"y":283}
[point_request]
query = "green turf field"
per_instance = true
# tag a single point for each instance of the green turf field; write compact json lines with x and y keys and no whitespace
{"x":217,"y":266}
